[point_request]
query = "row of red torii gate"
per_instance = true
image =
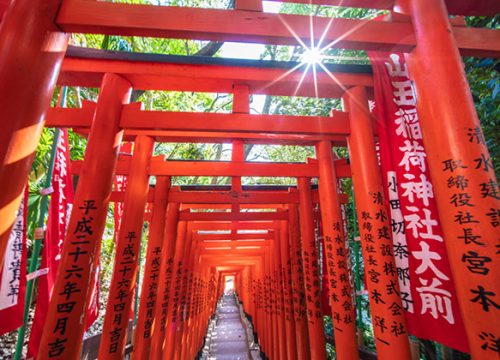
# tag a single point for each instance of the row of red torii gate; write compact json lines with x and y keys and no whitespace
{"x":264,"y":236}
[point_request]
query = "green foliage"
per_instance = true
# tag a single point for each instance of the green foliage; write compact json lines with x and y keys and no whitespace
{"x":483,"y":75}
{"x":281,"y":153}
{"x":303,"y":106}
{"x":328,"y":326}
{"x":213,"y":4}
{"x":484,"y":81}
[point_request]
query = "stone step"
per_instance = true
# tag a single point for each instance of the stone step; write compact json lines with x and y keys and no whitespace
{"x":229,"y":340}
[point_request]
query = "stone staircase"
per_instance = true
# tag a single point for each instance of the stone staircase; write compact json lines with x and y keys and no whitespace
{"x":227,"y":338}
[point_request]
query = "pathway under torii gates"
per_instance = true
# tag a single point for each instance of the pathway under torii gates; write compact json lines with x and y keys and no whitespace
{"x":229,"y":336}
{"x":264,"y":236}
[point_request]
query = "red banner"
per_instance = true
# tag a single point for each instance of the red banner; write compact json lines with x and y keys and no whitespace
{"x":425,"y":281}
{"x":13,"y":273}
{"x":61,"y":203}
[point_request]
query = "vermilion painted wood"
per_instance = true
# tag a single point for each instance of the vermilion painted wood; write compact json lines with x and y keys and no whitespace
{"x":239,"y":225}
{"x":251,"y":5}
{"x":371,"y":4}
{"x":208,"y":303}
{"x":337,"y":256}
{"x":455,"y":7}
{"x":123,"y":283}
{"x":241,"y":106}
{"x":233,"y":249}
{"x":32,"y":51}
{"x":166,"y":274}
{"x":459,"y":119}
{"x":220,"y":285}
{"x":169,"y":76}
{"x":227,"y":137}
{"x":261,"y":325}
{"x":200,"y":326}
{"x":222,"y":199}
{"x":188,"y":260}
{"x":96,"y":180}
{"x":275,"y":351}
{"x":245,"y":237}
{"x":311,"y":273}
{"x":247,"y":199}
{"x":245,"y":289}
{"x":367,"y":180}
{"x":189,"y":318}
{"x":219,"y":200}
{"x":79,"y":120}
{"x":233,"y":246}
{"x":249,"y":26}
{"x":268,"y":336}
{"x":275,"y":347}
{"x":136,"y":119}
{"x":217,"y":168}
{"x":286,"y":290}
{"x":4,"y":4}
{"x":228,"y":25}
{"x":298,"y":291}
{"x":173,"y":314}
{"x":283,"y":340}
{"x":143,"y":333}
{"x":202,"y":323}
{"x":228,"y":206}
{"x":189,"y":327}
{"x":336,"y":124}
{"x":229,"y":216}
{"x":225,"y":168}
{"x":207,"y":299}
{"x":225,"y":262}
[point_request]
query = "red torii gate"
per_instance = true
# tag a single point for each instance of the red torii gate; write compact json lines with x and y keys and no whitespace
{"x":35,"y":60}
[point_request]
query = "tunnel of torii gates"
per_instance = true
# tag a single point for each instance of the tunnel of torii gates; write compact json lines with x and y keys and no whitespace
{"x":276,"y":267}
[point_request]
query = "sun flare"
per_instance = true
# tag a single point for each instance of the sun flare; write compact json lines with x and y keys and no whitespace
{"x":315,"y":57}
{"x":312,"y":56}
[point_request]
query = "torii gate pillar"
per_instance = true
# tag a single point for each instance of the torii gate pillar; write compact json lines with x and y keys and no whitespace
{"x":344,"y":316}
{"x":63,"y":331}
{"x":311,"y":277}
{"x":148,"y":318}
{"x":126,"y":266}
{"x":374,"y":228}
{"x":32,"y":50}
